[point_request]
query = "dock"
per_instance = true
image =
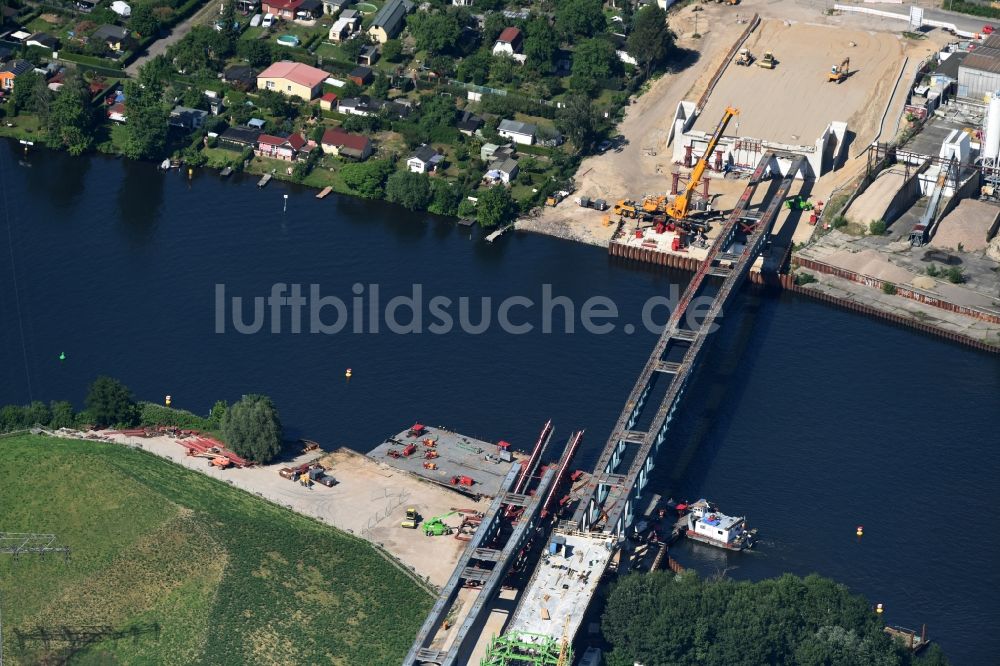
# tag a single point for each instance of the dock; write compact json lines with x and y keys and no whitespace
{"x":455,"y":461}
{"x":325,"y":191}
{"x":226,"y":172}
{"x":499,"y":232}
{"x":264,"y":181}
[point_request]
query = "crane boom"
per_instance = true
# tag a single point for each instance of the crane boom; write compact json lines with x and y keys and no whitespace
{"x":678,"y":210}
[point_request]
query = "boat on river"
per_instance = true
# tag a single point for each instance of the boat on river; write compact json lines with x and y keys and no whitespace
{"x":705,"y":523}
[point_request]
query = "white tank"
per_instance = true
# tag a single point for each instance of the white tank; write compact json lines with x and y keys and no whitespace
{"x":991,"y":138}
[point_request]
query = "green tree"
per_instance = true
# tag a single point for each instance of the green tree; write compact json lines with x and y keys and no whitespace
{"x":445,"y":197}
{"x":503,"y":68}
{"x":580,"y":18}
{"x":352,"y":48}
{"x":475,"y":68}
{"x":435,"y":32}
{"x":651,"y":42}
{"x":578,"y":120}
{"x":24,"y":97}
{"x":367,"y":178}
{"x":392,"y":50}
{"x":145,"y":115}
{"x":252,"y":429}
{"x":62,"y":415}
{"x":410,"y":190}
{"x":218,"y":413}
{"x":71,"y":118}
{"x":110,"y":403}
{"x":593,"y":61}
{"x":492,"y":27}
{"x":788,"y":620}
{"x":540,"y":46}
{"x":877,"y":228}
{"x":495,"y":207}
{"x":143,"y":20}
{"x":257,"y":52}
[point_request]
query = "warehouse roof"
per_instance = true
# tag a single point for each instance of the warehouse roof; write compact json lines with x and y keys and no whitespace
{"x":983,"y":59}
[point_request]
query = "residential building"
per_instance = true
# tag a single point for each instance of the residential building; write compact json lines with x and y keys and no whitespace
{"x":116,"y":112}
{"x":247,"y":7}
{"x":361,"y":75}
{"x":293,"y":79}
{"x":328,"y":101}
{"x":309,"y":10}
{"x":508,"y":43}
{"x":241,"y":76}
{"x":114,"y":37}
{"x":240,"y":137}
{"x":424,"y":160}
{"x":369,"y":54}
{"x":11,"y":70}
{"x":257,"y":123}
{"x":358,"y":106}
{"x":331,"y":7}
{"x":43,"y":40}
{"x":517,"y":131}
{"x":502,"y":170}
{"x":389,"y":20}
{"x":344,"y":26}
{"x":336,"y":141}
{"x":468,"y":124}
{"x":461,"y":3}
{"x":188,"y":118}
{"x":285,"y":9}
{"x":279,"y":147}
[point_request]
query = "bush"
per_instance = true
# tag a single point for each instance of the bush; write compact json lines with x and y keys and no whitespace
{"x":152,"y":414}
{"x":110,"y":403}
{"x":889,"y":288}
{"x":954,"y":275}
{"x":838,"y":222}
{"x":252,"y":428}
{"x":805,"y":278}
{"x":933,"y":271}
{"x":877,"y":228}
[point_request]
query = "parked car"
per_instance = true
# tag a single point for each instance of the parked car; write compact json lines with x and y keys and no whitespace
{"x":327,"y":481}
{"x":255,"y":21}
{"x":268,"y":21}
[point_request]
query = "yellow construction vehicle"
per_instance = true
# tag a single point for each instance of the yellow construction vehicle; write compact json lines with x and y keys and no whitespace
{"x":768,"y":61}
{"x":840,"y":72}
{"x":678,"y":208}
{"x":626,"y":208}
{"x":654,"y":204}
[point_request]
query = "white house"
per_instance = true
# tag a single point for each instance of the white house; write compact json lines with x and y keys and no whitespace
{"x":121,"y":8}
{"x":517,"y":131}
{"x":508,"y":43}
{"x":424,"y":160}
{"x":504,"y":170}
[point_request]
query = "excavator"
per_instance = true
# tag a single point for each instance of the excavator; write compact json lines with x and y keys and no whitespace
{"x":680,"y":206}
{"x":840,"y":72}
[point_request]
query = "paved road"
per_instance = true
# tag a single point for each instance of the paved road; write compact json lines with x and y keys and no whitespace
{"x":160,"y":46}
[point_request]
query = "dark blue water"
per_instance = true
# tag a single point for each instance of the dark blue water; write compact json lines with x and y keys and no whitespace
{"x":809,"y":419}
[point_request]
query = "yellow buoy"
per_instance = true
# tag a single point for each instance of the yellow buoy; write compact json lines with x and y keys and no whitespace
{"x":861,"y":530}
{"x":878,"y":608}
{"x":348,"y":373}
{"x":166,"y":401}
{"x":190,"y":172}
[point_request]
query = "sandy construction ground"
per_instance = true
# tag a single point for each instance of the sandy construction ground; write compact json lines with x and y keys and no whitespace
{"x":966,"y":226}
{"x":794,"y":102}
{"x":369,"y":500}
{"x":873,"y":202}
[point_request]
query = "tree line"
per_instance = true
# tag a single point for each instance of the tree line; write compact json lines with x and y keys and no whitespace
{"x":251,"y":427}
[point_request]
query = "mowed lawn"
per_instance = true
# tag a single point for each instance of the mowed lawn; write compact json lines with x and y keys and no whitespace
{"x":202,"y":572}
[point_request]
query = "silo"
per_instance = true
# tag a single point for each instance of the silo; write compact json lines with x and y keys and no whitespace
{"x":991,"y":138}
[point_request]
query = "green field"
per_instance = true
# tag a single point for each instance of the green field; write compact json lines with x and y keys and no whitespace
{"x":202,"y":572}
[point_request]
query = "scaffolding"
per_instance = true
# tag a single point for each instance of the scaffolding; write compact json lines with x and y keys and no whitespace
{"x":522,"y":648}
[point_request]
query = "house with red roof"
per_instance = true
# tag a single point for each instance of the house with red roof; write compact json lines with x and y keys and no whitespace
{"x":282,"y":8}
{"x":336,"y":141}
{"x":328,"y":102}
{"x":508,"y":43}
{"x":293,"y":79}
{"x":287,"y":148}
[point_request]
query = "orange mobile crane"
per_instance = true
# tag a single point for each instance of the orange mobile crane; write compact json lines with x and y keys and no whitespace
{"x":679,"y":207}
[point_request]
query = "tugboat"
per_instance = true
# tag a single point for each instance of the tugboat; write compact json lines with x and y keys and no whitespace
{"x":705,"y":523}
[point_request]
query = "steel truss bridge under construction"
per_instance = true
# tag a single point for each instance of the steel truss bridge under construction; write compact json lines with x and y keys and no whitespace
{"x":607,"y":505}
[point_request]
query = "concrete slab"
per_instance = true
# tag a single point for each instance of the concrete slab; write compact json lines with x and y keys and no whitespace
{"x":456,"y":456}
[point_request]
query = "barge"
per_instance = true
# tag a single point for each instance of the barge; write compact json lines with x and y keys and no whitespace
{"x":705,"y":523}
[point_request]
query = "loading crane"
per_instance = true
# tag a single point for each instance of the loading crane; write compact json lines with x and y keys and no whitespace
{"x":678,"y":209}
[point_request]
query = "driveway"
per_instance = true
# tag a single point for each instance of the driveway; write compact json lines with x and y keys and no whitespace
{"x":160,"y":46}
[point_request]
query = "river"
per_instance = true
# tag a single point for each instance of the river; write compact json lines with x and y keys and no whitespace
{"x":808,"y":419}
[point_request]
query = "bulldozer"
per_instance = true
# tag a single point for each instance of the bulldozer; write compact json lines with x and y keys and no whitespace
{"x":840,"y":72}
{"x":745,"y":58}
{"x":768,"y":61}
